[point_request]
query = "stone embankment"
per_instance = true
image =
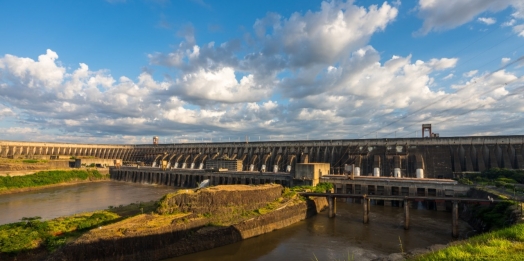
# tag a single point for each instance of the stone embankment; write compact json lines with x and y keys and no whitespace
{"x":194,"y":221}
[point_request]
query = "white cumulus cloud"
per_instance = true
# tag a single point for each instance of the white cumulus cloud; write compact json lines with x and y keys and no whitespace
{"x":487,"y":20}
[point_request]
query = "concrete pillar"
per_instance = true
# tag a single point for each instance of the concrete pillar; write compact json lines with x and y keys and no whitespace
{"x":406,"y":214}
{"x":455,"y":219}
{"x":332,"y":206}
{"x":366,"y":210}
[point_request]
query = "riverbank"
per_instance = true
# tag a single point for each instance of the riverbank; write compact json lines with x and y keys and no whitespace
{"x":34,"y":239}
{"x":52,"y":178}
{"x":503,"y":244}
{"x":189,"y":222}
{"x":502,"y":225}
{"x":181,"y":223}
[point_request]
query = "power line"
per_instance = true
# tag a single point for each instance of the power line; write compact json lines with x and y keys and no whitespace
{"x":515,"y":92}
{"x":446,"y":97}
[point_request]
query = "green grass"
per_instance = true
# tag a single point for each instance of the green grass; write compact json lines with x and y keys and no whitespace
{"x":43,"y":178}
{"x":32,"y":233}
{"x":504,"y":244}
{"x":319,"y":188}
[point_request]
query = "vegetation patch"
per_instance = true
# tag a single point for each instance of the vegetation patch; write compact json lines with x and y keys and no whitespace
{"x":496,"y":216}
{"x":32,"y":233}
{"x":504,"y":244}
{"x":321,"y":187}
{"x":43,"y":178}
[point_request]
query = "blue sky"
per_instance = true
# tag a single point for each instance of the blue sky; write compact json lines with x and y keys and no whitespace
{"x":122,"y":71}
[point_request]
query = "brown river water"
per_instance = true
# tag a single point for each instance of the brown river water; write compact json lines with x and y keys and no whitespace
{"x":317,"y":238}
{"x":344,"y":237}
{"x":56,"y":202}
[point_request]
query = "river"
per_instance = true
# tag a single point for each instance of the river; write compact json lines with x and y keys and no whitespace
{"x":317,"y":238}
{"x":324,"y":238}
{"x":66,"y":200}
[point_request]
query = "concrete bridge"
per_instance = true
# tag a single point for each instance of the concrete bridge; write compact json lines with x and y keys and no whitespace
{"x":365,"y":199}
{"x":402,"y":157}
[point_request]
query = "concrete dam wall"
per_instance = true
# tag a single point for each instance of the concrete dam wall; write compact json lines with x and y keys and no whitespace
{"x":431,"y":157}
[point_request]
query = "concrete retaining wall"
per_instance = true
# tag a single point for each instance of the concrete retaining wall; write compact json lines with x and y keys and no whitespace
{"x":185,"y":238}
{"x":221,"y":200}
{"x":281,"y":218}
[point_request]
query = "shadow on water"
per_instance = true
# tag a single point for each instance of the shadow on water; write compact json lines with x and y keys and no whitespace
{"x":345,"y":235}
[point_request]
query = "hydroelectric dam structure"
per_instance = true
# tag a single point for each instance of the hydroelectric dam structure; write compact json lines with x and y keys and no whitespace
{"x":434,"y":158}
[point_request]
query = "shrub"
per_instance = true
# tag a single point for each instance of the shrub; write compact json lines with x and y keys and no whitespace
{"x":322,"y":187}
{"x":465,"y":181}
{"x":507,"y":180}
{"x":509,"y":186}
{"x":496,"y":173}
{"x":499,"y":184}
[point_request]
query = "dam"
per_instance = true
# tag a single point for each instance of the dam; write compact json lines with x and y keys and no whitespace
{"x":435,"y":157}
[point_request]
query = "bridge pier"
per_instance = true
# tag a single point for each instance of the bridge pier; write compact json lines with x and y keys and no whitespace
{"x":455,"y":219}
{"x":366,"y":209}
{"x":332,"y":205}
{"x":406,"y":214}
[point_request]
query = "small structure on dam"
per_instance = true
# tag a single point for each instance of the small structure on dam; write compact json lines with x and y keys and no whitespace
{"x":311,"y":173}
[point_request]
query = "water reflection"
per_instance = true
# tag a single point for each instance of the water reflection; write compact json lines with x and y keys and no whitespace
{"x":55,"y":202}
{"x":335,"y":239}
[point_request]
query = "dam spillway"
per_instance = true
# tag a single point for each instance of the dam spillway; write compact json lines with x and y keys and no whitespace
{"x":187,"y":178}
{"x":443,"y":157}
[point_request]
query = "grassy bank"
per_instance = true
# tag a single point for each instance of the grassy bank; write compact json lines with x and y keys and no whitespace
{"x":504,"y":244}
{"x":33,"y":234}
{"x":44,"y":178}
{"x":34,"y":237}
